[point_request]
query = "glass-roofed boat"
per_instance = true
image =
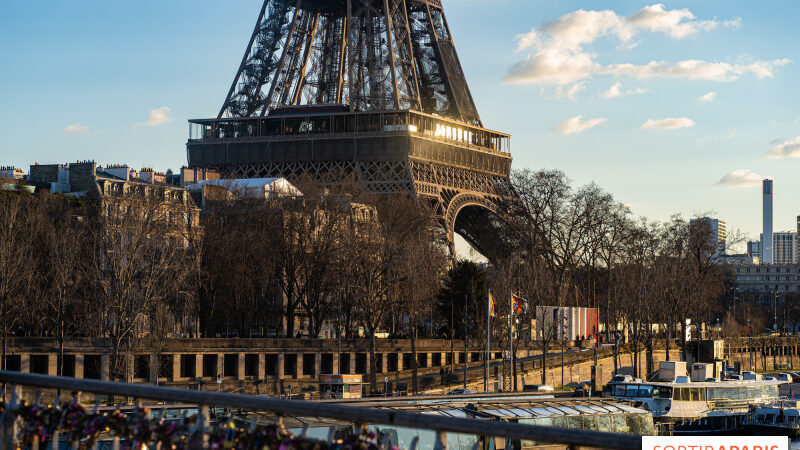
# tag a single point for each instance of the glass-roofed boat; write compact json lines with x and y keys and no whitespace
{"x":575,"y":414}
{"x":703,"y":407}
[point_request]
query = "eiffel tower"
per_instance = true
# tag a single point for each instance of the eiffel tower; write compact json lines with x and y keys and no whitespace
{"x":366,"y":88}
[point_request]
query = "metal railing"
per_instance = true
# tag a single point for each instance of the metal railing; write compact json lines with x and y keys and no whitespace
{"x":350,"y":414}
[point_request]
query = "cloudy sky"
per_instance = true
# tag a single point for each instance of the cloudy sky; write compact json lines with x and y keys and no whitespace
{"x":680,"y":107}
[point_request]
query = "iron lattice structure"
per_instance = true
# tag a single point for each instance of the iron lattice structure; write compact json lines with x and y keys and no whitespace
{"x":366,"y":88}
{"x":369,"y":54}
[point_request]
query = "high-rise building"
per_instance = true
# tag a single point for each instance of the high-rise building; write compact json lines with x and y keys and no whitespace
{"x":754,"y":249}
{"x":717,"y":232}
{"x":766,"y":237}
{"x":784,"y":247}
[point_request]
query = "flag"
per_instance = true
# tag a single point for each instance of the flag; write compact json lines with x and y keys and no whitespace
{"x":518,"y":304}
{"x":492,"y":305}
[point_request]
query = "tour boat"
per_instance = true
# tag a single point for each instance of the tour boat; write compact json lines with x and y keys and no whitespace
{"x":778,"y":419}
{"x":566,"y":413}
{"x":702,"y":407}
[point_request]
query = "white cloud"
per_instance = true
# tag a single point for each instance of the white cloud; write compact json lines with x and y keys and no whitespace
{"x":157,"y":117}
{"x":678,"y":23}
{"x":741,"y":178}
{"x":575,"y":124}
{"x":552,"y":66}
{"x":695,"y":69}
{"x":670,"y":123}
{"x":616,"y":91}
{"x":76,"y":128}
{"x":785,"y":150}
{"x":708,"y":98}
{"x":558,"y":55}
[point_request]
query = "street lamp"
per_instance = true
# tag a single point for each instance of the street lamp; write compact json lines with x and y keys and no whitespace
{"x":774,"y":310}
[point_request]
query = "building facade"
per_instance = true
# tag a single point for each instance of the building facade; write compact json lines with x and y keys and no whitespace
{"x":109,"y":186}
{"x":565,"y":322}
{"x":754,"y":249}
{"x":784,"y":245}
{"x":12,"y":173}
{"x":763,"y":284}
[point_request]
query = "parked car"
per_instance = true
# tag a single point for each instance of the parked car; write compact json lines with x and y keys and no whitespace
{"x":730,"y":371}
{"x":750,"y":375}
{"x":537,"y":388}
{"x":795,"y":377}
{"x":683,"y":379}
{"x":622,"y":379}
{"x":785,"y":377}
{"x":734,"y":378}
{"x":461,"y":391}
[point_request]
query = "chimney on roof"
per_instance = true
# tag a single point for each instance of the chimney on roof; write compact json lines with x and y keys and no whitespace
{"x":119,"y":170}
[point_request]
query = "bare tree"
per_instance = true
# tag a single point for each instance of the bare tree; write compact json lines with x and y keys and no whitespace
{"x":374,"y":261}
{"x":307,"y":246}
{"x":424,"y":266}
{"x":15,"y":246}
{"x":61,"y":288}
{"x":239,"y":262}
{"x":139,"y":261}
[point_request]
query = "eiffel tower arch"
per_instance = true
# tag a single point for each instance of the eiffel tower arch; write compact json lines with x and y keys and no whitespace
{"x":371,"y":89}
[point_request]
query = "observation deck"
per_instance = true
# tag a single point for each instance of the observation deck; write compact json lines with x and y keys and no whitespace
{"x":325,"y":134}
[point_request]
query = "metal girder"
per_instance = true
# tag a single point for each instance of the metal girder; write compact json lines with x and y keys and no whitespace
{"x":372,"y":55}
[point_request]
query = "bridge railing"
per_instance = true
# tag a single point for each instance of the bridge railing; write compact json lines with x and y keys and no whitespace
{"x":282,"y":407}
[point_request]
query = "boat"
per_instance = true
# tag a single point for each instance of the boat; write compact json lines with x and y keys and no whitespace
{"x":777,"y":419}
{"x":698,"y":408}
{"x":567,"y":413}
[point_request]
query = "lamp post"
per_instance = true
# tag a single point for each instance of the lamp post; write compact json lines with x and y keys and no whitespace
{"x":750,"y":340}
{"x":774,"y":310}
{"x":563,"y":343}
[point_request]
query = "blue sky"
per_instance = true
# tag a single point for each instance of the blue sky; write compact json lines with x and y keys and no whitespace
{"x":679,"y":103}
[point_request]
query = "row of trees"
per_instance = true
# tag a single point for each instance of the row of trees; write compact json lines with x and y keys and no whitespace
{"x":580,"y":247}
{"x":126,"y":272}
{"x":70,"y":268}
